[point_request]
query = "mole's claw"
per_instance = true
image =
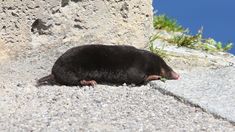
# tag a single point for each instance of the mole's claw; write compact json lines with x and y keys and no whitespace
{"x":88,"y":83}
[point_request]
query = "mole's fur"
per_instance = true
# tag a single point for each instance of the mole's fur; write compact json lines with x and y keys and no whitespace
{"x":90,"y":64}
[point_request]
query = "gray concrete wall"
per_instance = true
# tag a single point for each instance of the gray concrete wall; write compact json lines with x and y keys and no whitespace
{"x":27,"y":24}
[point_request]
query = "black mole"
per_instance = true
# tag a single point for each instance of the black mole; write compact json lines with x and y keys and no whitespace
{"x":103,"y":64}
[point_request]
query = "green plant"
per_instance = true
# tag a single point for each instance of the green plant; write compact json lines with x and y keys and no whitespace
{"x":191,"y":41}
{"x":184,"y":40}
{"x":197,"y":42}
{"x":212,"y":45}
{"x":163,"y":79}
{"x":165,"y":23}
{"x":156,"y":50}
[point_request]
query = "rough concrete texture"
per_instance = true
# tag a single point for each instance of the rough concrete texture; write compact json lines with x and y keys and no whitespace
{"x":25,"y":107}
{"x":185,"y":58}
{"x":207,"y":80}
{"x":29,"y":24}
{"x":212,"y":89}
{"x":3,"y":52}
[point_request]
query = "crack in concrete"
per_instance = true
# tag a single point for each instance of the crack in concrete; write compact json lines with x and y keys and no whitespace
{"x":187,"y":102}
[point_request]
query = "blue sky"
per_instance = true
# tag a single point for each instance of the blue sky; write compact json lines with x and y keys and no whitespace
{"x":216,"y":16}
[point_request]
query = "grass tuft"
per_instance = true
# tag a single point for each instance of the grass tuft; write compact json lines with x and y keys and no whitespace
{"x":162,"y":22}
{"x":198,"y":42}
{"x":156,"y":50}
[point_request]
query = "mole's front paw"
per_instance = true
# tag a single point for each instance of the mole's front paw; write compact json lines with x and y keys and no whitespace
{"x":88,"y":83}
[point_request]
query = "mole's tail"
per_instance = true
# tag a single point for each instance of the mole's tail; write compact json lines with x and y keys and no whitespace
{"x":47,"y":80}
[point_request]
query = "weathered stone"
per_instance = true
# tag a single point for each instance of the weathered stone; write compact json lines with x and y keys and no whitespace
{"x":23,"y":23}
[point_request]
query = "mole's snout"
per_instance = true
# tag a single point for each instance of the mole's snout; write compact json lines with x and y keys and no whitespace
{"x":174,"y":75}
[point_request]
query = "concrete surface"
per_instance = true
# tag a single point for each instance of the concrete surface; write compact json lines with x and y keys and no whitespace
{"x":25,"y":107}
{"x":207,"y":79}
{"x":40,"y":31}
{"x":29,"y":24}
{"x":186,"y":59}
{"x":211,"y":89}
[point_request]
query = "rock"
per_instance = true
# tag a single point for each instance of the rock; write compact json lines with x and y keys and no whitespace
{"x":3,"y":52}
{"x":23,"y":23}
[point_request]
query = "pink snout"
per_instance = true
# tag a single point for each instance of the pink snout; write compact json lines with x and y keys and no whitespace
{"x":174,"y":75}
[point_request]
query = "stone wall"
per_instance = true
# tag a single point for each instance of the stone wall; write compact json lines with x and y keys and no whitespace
{"x":27,"y":24}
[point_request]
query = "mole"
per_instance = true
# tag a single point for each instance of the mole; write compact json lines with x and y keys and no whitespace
{"x":107,"y":64}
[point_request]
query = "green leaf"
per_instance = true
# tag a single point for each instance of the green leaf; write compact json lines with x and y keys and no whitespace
{"x":163,"y":79}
